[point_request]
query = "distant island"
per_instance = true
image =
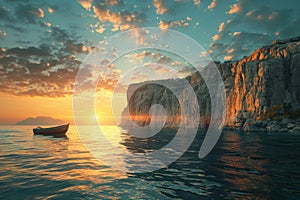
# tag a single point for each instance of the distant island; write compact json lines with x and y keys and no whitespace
{"x":40,"y":120}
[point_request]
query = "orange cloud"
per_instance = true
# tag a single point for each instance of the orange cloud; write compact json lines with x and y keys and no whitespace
{"x":169,"y":24}
{"x":212,"y":5}
{"x":86,"y":4}
{"x":39,"y":13}
{"x":222,"y":27}
{"x":228,"y":57}
{"x":236,"y":33}
{"x":100,"y":29}
{"x":216,"y":37}
{"x":230,"y":51}
{"x":197,"y":2}
{"x":165,"y":25}
{"x":48,"y":24}
{"x":235,"y":8}
{"x":160,"y":7}
{"x":112,"y":2}
{"x":121,"y":20}
{"x":50,"y":10}
{"x":108,"y":80}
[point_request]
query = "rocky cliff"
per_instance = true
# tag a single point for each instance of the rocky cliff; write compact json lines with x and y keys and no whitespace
{"x":262,"y":92}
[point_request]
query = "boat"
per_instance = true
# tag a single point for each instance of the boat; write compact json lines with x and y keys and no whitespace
{"x":57,"y":130}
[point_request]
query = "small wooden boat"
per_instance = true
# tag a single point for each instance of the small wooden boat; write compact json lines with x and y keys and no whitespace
{"x":57,"y":130}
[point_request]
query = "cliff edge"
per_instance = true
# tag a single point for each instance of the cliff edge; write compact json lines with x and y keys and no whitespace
{"x":262,"y":92}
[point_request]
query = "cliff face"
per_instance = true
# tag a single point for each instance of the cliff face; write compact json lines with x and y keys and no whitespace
{"x":264,"y":82}
{"x":260,"y":88}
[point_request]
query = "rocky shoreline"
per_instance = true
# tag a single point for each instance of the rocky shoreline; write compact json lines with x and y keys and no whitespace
{"x":244,"y":122}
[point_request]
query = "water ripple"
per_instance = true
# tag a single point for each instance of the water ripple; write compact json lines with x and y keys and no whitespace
{"x":242,"y":166}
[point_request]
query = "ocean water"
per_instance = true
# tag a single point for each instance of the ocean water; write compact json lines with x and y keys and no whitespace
{"x":241,"y":166}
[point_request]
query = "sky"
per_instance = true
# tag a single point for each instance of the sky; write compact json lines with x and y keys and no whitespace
{"x":44,"y":42}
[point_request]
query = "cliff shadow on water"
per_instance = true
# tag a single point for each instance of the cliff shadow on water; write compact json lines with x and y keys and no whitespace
{"x":160,"y":140}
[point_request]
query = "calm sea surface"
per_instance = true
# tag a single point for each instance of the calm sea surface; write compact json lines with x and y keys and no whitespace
{"x":241,"y":166}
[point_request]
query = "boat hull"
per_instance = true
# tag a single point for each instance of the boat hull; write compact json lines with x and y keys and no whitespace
{"x":58,"y":130}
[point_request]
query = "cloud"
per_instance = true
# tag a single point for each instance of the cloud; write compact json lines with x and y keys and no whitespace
{"x":219,"y":49}
{"x":222,"y":27}
{"x":166,"y":24}
{"x":121,"y":20}
{"x":36,"y":74}
{"x":235,"y":8}
{"x":197,"y":2}
{"x":242,"y":6}
{"x":239,"y":44}
{"x":50,"y":10}
{"x":28,"y":13}
{"x":86,"y":4}
{"x":153,"y":71}
{"x":216,"y":37}
{"x":212,"y":5}
{"x":113,"y":2}
{"x":5,"y":14}
{"x":267,"y":18}
{"x":2,"y":34}
{"x":100,"y":29}
{"x":109,"y":79}
{"x":160,"y":6}
{"x":155,"y":57}
{"x":169,"y":24}
{"x":159,"y":61}
{"x":139,"y":35}
{"x":43,"y":50}
{"x":44,"y":70}
{"x":39,"y":13}
{"x":228,"y":57}
{"x":68,"y":44}
{"x":59,"y":34}
{"x":252,"y":25}
{"x":138,"y":56}
{"x":260,"y":16}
